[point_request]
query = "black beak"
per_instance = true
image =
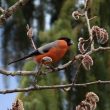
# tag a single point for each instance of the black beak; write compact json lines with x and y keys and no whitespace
{"x":71,"y":42}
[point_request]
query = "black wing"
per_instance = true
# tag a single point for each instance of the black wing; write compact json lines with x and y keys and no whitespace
{"x":36,"y":52}
{"x":41,"y":50}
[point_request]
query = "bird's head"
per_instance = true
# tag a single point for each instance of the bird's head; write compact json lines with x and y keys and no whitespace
{"x":68,"y":40}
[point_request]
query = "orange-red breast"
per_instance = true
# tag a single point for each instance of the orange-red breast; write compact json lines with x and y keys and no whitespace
{"x":55,"y":50}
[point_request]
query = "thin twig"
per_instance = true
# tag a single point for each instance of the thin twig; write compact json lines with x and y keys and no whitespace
{"x":86,"y":4}
{"x":33,"y":44}
{"x":98,"y":49}
{"x":89,"y":30}
{"x":92,"y":18}
{"x":30,"y":35}
{"x":88,"y":24}
{"x":76,"y":74}
{"x":35,"y":88}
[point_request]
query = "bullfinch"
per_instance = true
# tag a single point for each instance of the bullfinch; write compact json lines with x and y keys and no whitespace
{"x":55,"y":50}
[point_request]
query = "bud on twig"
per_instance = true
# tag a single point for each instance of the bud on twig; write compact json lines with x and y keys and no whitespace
{"x":46,"y":60}
{"x":30,"y":35}
{"x":29,"y":31}
{"x":81,"y":45}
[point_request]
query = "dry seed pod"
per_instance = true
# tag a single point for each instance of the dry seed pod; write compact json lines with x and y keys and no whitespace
{"x":81,"y":45}
{"x":84,"y":105}
{"x":87,"y":62}
{"x":89,"y":103}
{"x":100,"y":34}
{"x":92,"y":97}
{"x":75,"y":15}
{"x":17,"y":105}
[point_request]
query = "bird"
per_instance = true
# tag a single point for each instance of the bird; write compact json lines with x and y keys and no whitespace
{"x":54,"y":50}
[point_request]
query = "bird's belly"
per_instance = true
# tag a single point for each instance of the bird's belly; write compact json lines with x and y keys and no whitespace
{"x":55,"y":53}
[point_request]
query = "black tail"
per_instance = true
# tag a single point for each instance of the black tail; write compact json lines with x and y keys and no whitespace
{"x":36,"y":52}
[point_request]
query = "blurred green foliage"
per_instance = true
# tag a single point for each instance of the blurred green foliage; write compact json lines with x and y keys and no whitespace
{"x":16,"y":43}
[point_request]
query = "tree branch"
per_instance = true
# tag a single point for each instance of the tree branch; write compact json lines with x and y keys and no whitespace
{"x":17,"y":73}
{"x":32,"y":73}
{"x":35,"y":88}
{"x":7,"y":13}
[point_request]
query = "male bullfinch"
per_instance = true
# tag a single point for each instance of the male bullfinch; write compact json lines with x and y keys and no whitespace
{"x":55,"y":50}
